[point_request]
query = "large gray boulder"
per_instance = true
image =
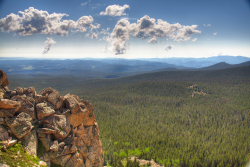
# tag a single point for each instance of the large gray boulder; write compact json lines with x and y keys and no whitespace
{"x":21,"y":125}
{"x":8,"y":108}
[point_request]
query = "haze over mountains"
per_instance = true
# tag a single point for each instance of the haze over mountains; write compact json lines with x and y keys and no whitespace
{"x":113,"y":68}
{"x":154,"y":110}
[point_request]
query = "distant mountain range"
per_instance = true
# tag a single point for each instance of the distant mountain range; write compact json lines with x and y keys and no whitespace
{"x":114,"y":68}
{"x":218,"y":66}
{"x":88,"y":68}
{"x":64,"y":83}
{"x":224,"y":65}
{"x":202,"y":62}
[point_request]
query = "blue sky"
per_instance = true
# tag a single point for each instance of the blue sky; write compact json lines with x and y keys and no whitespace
{"x":223,"y":25}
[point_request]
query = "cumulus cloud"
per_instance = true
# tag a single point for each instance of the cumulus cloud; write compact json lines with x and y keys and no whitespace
{"x":33,"y":21}
{"x":48,"y":43}
{"x":152,"y":40}
{"x":150,"y":29}
{"x":93,"y":35}
{"x":120,"y":35}
{"x":115,"y":10}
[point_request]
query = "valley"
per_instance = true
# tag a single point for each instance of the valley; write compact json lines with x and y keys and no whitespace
{"x":156,"y":116}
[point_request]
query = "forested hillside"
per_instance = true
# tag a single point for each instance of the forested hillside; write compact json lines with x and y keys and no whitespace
{"x":177,"y":118}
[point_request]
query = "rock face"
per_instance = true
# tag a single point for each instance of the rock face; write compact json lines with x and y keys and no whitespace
{"x":63,"y":127}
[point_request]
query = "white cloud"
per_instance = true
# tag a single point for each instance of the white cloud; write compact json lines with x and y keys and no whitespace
{"x":93,"y":35}
{"x":151,"y":29}
{"x":119,"y":37}
{"x":115,"y":10}
{"x":85,"y":22}
{"x":33,"y":21}
{"x":48,"y":43}
{"x":215,"y":33}
{"x":152,"y":40}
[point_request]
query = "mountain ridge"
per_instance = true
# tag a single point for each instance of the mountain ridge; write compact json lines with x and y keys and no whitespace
{"x":107,"y":68}
{"x":224,"y":65}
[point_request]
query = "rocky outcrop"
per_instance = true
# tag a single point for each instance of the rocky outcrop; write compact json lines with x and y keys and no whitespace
{"x":197,"y":90}
{"x":143,"y":162}
{"x":64,"y":127}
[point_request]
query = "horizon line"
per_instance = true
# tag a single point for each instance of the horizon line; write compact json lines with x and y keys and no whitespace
{"x":128,"y":58}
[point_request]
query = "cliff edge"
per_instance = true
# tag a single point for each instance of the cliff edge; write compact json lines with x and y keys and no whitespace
{"x":59,"y":129}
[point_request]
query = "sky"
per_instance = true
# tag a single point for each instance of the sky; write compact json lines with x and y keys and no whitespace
{"x":124,"y":28}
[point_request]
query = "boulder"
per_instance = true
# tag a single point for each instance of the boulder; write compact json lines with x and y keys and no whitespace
{"x":30,"y":92}
{"x":21,"y":125}
{"x":71,"y":103}
{"x":43,"y":110}
{"x":19,"y":91}
{"x":55,"y":146}
{"x":40,"y":99}
{"x":27,"y":104}
{"x":9,"y":104}
{"x":8,"y":108}
{"x":53,"y":96}
{"x":63,"y":155}
{"x":59,"y":124}
{"x":7,"y":112}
